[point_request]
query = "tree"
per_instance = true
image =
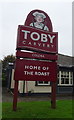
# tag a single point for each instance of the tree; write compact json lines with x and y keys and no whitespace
{"x":7,"y":59}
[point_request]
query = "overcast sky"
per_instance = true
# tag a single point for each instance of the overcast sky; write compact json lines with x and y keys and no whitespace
{"x":14,"y":13}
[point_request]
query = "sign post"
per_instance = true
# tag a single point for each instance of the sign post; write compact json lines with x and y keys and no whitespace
{"x":39,"y":63}
{"x":53,"y":95}
{"x":15,"y":95}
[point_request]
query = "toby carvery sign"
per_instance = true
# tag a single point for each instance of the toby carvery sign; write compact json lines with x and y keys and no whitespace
{"x":33,"y":70}
{"x":38,"y":63}
{"x":37,"y":33}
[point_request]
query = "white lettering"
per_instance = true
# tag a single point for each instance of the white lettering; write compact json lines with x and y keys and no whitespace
{"x":43,"y":45}
{"x":45,"y":68}
{"x":48,"y":45}
{"x":44,"y":38}
{"x":34,"y":43}
{"x":36,"y":36}
{"x":29,"y":43}
{"x":42,"y":73}
{"x":52,"y":46}
{"x":28,"y":73}
{"x":35,"y":55}
{"x":26,"y":67}
{"x":32,"y":67}
{"x":39,"y":44}
{"x":51,"y":38}
{"x":35,"y":33}
{"x":25,"y":33}
{"x":24,"y":42}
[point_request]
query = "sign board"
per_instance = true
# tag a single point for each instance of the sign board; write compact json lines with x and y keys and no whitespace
{"x":35,"y":39}
{"x":36,"y":55}
{"x":33,"y":70}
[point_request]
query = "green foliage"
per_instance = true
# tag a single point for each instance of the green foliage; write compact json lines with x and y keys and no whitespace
{"x":5,"y":61}
{"x":3,"y":76}
{"x":38,"y":109}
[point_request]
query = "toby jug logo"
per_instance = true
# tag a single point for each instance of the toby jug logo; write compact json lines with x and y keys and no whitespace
{"x":40,"y":18}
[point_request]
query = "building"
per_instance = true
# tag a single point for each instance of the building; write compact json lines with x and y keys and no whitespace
{"x":64,"y":79}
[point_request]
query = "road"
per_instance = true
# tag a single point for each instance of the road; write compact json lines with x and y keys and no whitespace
{"x":7,"y":96}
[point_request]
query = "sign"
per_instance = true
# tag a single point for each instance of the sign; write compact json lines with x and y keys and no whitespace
{"x":33,"y":70}
{"x":35,"y":39}
{"x":36,"y":36}
{"x":40,"y":20}
{"x":36,"y":55}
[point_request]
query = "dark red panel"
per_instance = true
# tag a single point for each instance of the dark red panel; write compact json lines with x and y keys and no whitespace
{"x":35,"y":39}
{"x":36,"y":55}
{"x":32,"y":70}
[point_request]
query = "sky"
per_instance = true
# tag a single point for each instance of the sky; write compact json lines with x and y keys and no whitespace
{"x":14,"y":13}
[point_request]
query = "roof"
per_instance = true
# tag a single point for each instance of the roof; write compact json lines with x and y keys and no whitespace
{"x":73,"y":61}
{"x":64,"y":60}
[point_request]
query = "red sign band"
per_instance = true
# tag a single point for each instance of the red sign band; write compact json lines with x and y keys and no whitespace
{"x":33,"y":70}
{"x":36,"y":55}
{"x":35,"y":39}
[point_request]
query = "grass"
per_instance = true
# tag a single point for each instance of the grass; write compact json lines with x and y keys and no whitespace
{"x":0,"y":110}
{"x":38,"y":109}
